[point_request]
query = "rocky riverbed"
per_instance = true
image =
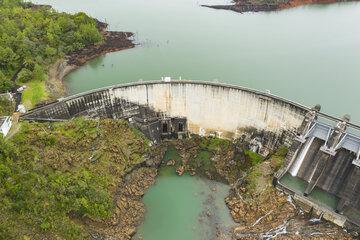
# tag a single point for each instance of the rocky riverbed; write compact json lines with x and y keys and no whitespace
{"x":260,"y":211}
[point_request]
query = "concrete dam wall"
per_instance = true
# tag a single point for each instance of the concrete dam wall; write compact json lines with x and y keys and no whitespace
{"x":322,"y":168}
{"x":208,"y":107}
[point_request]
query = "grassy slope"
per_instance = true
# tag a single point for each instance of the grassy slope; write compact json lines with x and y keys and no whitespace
{"x":45,"y":190}
{"x":34,"y":93}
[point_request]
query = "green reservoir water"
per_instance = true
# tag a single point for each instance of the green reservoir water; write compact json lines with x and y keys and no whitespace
{"x":185,"y":207}
{"x":308,"y":54}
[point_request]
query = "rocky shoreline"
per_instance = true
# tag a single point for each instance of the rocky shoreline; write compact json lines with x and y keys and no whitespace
{"x":129,"y":210}
{"x":242,"y":6}
{"x":260,"y":211}
{"x":113,"y":41}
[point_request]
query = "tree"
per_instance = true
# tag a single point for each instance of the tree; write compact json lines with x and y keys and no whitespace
{"x":25,"y":75}
{"x":35,"y":37}
{"x":5,"y":83}
{"x":38,"y":73}
{"x":89,"y":34}
{"x":7,"y":57}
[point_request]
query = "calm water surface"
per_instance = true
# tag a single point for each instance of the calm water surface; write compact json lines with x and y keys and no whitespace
{"x":185,"y":208}
{"x":308,"y":54}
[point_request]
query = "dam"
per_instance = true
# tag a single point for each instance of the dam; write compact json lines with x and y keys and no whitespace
{"x":323,"y":150}
{"x":209,"y":108}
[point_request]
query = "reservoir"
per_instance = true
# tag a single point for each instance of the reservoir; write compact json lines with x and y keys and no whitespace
{"x":309,"y":54}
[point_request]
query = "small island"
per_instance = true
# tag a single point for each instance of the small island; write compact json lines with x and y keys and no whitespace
{"x":243,"y":6}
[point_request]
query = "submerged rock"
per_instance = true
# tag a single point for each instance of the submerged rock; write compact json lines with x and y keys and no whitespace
{"x":180,"y":170}
{"x":171,"y":162}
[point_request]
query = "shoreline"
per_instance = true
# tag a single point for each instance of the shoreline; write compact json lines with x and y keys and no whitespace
{"x":114,"y":41}
{"x":256,"y":207}
{"x":243,"y":6}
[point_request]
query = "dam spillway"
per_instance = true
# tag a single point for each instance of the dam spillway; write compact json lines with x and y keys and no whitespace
{"x":323,"y":157}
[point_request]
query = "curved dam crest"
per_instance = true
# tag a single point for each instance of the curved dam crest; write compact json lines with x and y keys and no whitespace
{"x":322,"y":158}
{"x":208,"y":107}
{"x":212,"y":107}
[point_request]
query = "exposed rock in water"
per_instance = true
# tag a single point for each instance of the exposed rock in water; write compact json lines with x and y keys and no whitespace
{"x":265,"y":213}
{"x":242,"y":6}
{"x":171,"y":162}
{"x":245,"y":7}
{"x":260,"y":210}
{"x":180,"y":170}
{"x":113,"y":41}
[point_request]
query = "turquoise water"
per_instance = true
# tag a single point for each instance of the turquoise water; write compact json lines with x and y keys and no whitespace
{"x":308,"y":54}
{"x":185,"y":207}
{"x":318,"y":195}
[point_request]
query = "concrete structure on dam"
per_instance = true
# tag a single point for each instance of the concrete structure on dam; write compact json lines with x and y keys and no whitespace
{"x":321,"y":169}
{"x":210,"y":108}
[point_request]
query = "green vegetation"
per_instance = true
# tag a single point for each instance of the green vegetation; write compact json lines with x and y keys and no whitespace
{"x":253,"y":157}
{"x":45,"y":191}
{"x":214,"y":143}
{"x":6,"y":107}
{"x":216,"y":158}
{"x":172,"y":154}
{"x":34,"y":93}
{"x":208,"y":149}
{"x":278,"y":157}
{"x":261,"y":174}
{"x":32,"y":38}
{"x":252,"y":178}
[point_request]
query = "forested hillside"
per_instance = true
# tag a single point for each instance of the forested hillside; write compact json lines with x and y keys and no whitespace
{"x":33,"y":37}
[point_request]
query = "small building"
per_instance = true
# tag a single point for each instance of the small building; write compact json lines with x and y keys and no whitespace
{"x":5,"y":125}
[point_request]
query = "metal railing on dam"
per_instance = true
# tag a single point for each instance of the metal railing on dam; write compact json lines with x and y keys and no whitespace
{"x":323,"y":157}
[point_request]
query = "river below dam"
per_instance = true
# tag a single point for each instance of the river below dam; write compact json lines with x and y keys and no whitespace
{"x":309,"y":54}
{"x":186,"y":207}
